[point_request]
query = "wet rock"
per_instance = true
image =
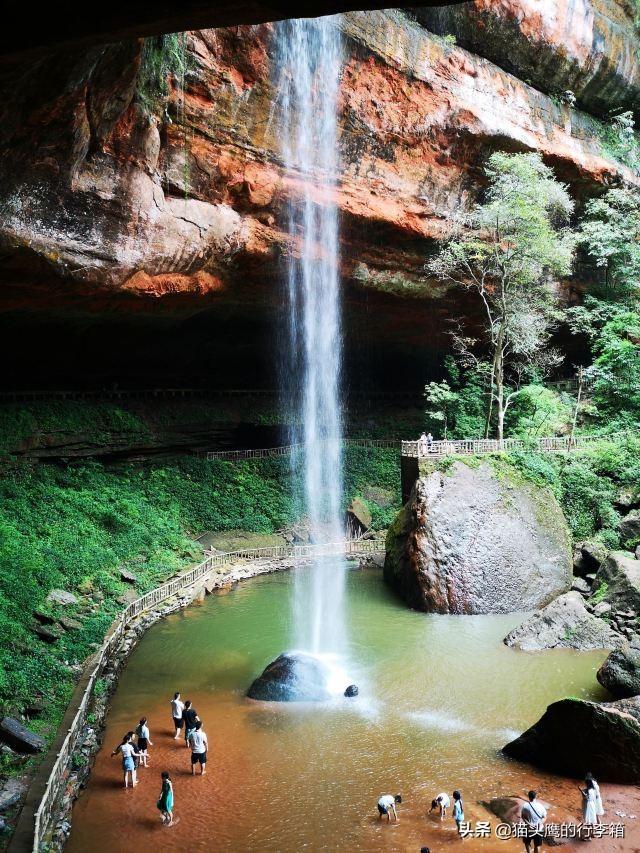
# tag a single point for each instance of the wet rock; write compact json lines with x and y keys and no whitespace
{"x":292,"y":677}
{"x":620,"y":673}
{"x":352,"y":690}
{"x":11,"y":793}
{"x":19,"y":737}
{"x":61,"y":597}
{"x":127,"y":576}
{"x":618,"y":582}
{"x":564,"y":623}
{"x":574,"y":736}
{"x":629,"y":527}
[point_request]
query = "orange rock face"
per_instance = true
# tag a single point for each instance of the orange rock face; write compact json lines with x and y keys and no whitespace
{"x":101,"y":195}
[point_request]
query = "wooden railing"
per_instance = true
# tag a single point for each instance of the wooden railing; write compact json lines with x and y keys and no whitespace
{"x":285,"y":450}
{"x":57,"y":778}
{"x":556,"y":444}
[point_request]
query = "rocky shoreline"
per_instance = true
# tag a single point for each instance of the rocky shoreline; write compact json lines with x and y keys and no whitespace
{"x":90,"y":740}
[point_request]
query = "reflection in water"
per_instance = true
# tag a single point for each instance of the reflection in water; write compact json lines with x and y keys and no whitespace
{"x":440,"y":696}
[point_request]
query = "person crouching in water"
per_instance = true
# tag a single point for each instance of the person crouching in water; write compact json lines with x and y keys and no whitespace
{"x":165,"y":801}
{"x":387,"y":804}
{"x":128,"y":760}
{"x":442,"y":803}
{"x":144,"y":741}
{"x":458,"y":810}
{"x":199,"y":745}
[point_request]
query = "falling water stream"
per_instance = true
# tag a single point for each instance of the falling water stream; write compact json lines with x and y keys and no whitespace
{"x":309,"y":66}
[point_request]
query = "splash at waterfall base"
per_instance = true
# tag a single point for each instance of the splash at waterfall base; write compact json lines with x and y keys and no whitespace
{"x":302,"y":677}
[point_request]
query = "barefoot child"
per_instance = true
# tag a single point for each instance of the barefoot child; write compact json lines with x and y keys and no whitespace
{"x":165,"y":802}
{"x":144,"y":741}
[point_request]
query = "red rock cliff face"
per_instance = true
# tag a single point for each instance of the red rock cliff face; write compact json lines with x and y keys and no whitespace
{"x":104,"y":200}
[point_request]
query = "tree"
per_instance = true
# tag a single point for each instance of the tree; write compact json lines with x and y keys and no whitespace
{"x":610,"y":236}
{"x":508,"y":251}
{"x":443,"y":400}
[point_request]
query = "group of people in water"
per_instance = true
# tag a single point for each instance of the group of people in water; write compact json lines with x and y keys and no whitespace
{"x":134,"y":749}
{"x":533,"y":813}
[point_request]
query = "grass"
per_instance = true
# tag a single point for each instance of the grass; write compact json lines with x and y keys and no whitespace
{"x":73,"y":527}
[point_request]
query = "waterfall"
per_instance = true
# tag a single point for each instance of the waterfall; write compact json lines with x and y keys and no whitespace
{"x":309,"y":66}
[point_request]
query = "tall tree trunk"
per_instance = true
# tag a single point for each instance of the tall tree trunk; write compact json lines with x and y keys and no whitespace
{"x":487,"y":423}
{"x":499,"y":379}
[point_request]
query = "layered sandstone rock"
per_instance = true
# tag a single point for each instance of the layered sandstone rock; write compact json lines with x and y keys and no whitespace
{"x":589,"y":47}
{"x":470,"y":541}
{"x":105,"y":199}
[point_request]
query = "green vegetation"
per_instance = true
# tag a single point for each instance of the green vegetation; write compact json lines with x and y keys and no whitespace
{"x":74,"y":527}
{"x":504,"y":252}
{"x":163,"y":58}
{"x":587,"y":482}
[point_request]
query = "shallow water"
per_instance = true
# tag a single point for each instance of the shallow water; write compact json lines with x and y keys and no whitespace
{"x":439,"y":695}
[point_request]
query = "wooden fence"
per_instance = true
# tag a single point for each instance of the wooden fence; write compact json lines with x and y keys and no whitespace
{"x":57,"y":778}
{"x":285,"y":450}
{"x":557,"y":444}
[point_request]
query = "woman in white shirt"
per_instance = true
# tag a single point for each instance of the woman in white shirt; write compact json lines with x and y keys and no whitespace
{"x":128,"y":761}
{"x":177,"y":707}
{"x":144,"y":741}
{"x":596,"y":788}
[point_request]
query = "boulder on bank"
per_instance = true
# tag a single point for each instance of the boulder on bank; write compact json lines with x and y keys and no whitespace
{"x":629,"y":527}
{"x":19,"y":737}
{"x":509,"y":810}
{"x":565,"y":623}
{"x":620,"y":673}
{"x":61,"y":597}
{"x":618,"y":582}
{"x":470,"y":541}
{"x":574,"y":736}
{"x":292,"y":677}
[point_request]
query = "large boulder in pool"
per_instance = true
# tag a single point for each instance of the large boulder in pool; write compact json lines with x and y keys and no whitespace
{"x":475,"y":540}
{"x":574,"y":736}
{"x":292,"y":677}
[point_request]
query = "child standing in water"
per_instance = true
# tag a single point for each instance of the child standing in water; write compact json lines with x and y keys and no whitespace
{"x":128,"y":760}
{"x":165,"y":802}
{"x":458,"y":810}
{"x":144,"y":741}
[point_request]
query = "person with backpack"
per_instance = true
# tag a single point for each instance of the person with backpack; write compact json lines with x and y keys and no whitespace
{"x":533,"y":814}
